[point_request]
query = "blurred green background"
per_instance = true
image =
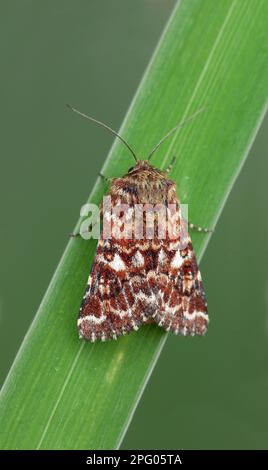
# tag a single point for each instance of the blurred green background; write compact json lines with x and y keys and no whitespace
{"x":92,"y":53}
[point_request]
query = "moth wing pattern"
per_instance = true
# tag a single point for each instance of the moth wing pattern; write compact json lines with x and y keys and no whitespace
{"x":118,"y":298}
{"x":182,"y":306}
{"x":136,"y":281}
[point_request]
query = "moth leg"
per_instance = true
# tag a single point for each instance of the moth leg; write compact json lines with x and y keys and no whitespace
{"x":78,"y":234}
{"x":170,"y":166}
{"x":74,"y":235}
{"x":200,"y":229}
{"x":105,"y":178}
{"x":90,"y":227}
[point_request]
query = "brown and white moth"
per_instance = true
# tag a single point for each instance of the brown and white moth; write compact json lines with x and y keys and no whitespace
{"x":134,"y":281}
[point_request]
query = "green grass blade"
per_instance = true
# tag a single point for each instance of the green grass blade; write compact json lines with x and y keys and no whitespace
{"x":64,"y":394}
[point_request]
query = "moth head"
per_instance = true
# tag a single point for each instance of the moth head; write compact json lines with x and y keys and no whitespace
{"x":140,"y":165}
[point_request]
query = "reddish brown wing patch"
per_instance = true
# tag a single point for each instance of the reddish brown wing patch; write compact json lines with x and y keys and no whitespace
{"x":118,"y":298}
{"x":182,"y":307}
{"x":125,"y":290}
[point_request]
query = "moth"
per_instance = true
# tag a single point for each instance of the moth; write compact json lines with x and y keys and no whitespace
{"x":134,"y":281}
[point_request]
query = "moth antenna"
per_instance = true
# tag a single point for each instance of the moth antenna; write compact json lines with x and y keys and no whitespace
{"x":181,"y":124}
{"x":99,"y":123}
